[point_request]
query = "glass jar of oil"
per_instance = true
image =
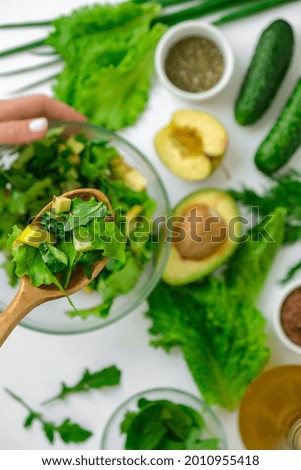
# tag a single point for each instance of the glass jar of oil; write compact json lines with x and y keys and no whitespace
{"x":270,"y":412}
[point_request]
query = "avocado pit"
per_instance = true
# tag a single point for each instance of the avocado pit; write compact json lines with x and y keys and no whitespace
{"x":199,"y":232}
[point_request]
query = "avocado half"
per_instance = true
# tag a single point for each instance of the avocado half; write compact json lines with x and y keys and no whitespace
{"x":184,"y":270}
{"x":192,"y":145}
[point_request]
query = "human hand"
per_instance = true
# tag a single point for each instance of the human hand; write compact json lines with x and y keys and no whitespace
{"x":25,"y":120}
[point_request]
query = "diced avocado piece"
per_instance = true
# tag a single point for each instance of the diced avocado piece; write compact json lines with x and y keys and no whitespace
{"x":130,"y":218}
{"x":62,"y":148}
{"x":135,"y":180}
{"x":206,"y":219}
{"x":82,"y":240}
{"x":33,"y":235}
{"x":74,"y":158}
{"x":118,"y":167}
{"x":55,"y":259}
{"x":132,"y":178}
{"x":61,"y":204}
{"x":76,"y":146}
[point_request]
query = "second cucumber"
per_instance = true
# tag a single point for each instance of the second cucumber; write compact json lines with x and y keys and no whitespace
{"x":269,"y":65}
{"x":284,"y":138}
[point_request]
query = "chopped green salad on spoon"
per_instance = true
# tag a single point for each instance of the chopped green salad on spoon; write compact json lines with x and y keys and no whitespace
{"x":73,"y":232}
{"x":58,"y":164}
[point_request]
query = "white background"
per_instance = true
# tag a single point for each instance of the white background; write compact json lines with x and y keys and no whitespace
{"x":32,"y":364}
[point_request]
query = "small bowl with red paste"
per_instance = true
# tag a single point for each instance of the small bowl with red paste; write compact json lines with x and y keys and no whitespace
{"x":288,"y":319}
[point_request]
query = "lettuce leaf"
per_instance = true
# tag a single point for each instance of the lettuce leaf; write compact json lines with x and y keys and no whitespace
{"x":115,"y":95}
{"x":29,"y":262}
{"x":77,"y":33}
{"x":109,"y":54}
{"x":222,"y":339}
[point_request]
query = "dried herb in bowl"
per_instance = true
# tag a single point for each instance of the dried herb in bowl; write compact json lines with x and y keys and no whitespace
{"x":194,"y":64}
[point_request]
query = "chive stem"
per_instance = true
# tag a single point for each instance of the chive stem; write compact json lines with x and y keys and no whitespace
{"x":251,"y":10}
{"x":207,"y":7}
{"x":44,"y":52}
{"x":26,"y":25}
{"x":30,"y":69}
{"x":33,"y":85}
{"x":24,"y":48}
{"x":166,"y":3}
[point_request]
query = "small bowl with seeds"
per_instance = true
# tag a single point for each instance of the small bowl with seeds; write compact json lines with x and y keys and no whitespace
{"x":287,"y":321}
{"x":194,"y":60}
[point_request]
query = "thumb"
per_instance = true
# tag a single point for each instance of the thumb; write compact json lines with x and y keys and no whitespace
{"x":22,"y":132}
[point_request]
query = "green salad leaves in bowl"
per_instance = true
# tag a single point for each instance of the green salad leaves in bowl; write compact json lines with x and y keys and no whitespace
{"x":76,"y":156}
{"x":163,"y":419}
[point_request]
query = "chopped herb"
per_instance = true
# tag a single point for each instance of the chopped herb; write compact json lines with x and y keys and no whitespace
{"x":85,"y":212}
{"x":68,"y":431}
{"x":107,"y":377}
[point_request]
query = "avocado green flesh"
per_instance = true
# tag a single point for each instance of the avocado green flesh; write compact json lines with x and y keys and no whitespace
{"x":180,"y":271}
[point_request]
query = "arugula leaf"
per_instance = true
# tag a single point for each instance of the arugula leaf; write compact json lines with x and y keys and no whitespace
{"x":72,"y":432}
{"x":68,"y":431}
{"x":69,"y":249}
{"x":55,"y":259}
{"x":50,"y":223}
{"x":147,"y":429}
{"x":107,"y":377}
{"x":127,"y":421}
{"x":120,"y":280}
{"x":84,"y":212}
{"x":195,"y":443}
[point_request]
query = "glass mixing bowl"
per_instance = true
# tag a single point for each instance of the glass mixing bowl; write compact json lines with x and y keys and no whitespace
{"x":112,"y":439}
{"x":51,"y":317}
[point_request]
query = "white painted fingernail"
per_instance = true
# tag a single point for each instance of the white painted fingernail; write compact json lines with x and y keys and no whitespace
{"x":38,"y":125}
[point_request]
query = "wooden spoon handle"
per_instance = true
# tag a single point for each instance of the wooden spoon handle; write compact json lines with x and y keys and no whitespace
{"x":24,"y":301}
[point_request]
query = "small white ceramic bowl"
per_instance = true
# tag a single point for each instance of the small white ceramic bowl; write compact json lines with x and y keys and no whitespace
{"x":194,"y":28}
{"x":285,"y":340}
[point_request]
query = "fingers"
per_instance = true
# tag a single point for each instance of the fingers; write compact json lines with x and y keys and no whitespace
{"x":22,"y":132}
{"x":38,"y":105}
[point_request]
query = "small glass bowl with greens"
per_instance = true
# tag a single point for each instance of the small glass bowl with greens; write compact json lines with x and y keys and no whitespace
{"x":76,"y":156}
{"x":163,"y":419}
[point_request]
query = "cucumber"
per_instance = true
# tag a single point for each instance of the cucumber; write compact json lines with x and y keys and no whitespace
{"x":268,"y":67}
{"x":284,"y":138}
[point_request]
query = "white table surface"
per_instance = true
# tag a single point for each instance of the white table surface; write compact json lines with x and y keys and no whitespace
{"x":33,"y":364}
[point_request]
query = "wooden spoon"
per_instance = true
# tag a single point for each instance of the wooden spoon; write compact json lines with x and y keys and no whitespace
{"x":29,"y":297}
